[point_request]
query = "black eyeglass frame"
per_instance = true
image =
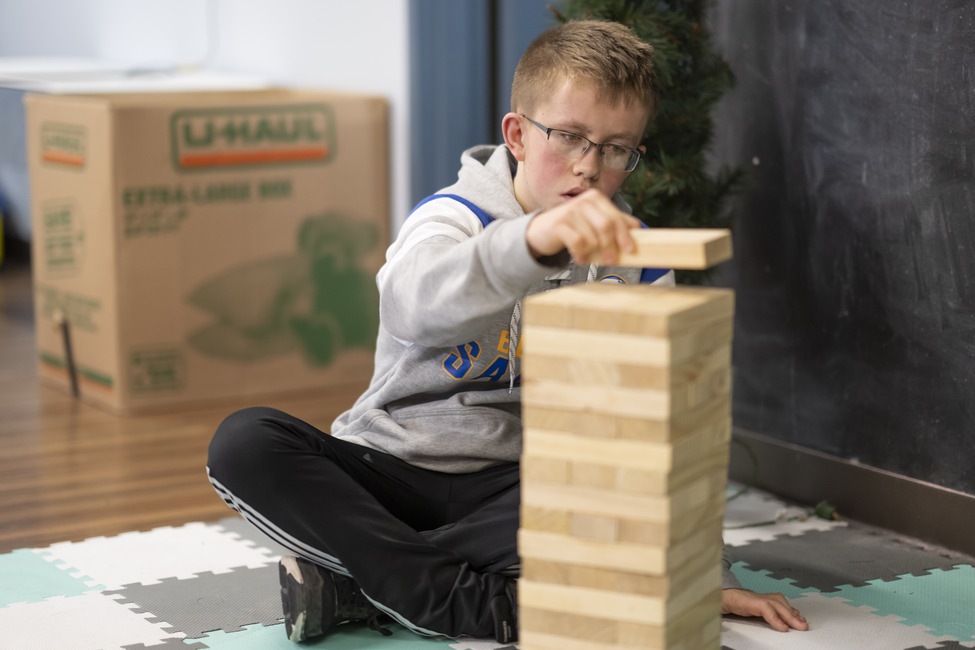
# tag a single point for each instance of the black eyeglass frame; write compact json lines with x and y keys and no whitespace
{"x":635,"y":154}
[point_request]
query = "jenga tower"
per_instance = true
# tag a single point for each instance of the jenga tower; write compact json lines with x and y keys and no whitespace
{"x":627,"y":415}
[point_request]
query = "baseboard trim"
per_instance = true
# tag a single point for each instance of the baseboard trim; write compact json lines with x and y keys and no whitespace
{"x":873,"y":496}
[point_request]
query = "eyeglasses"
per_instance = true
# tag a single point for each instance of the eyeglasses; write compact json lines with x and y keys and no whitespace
{"x":573,"y":145}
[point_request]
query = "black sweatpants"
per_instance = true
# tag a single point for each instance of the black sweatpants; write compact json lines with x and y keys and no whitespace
{"x":426,"y":547}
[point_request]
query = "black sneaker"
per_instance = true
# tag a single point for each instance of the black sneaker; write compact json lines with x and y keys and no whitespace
{"x":315,"y":600}
{"x":504,"y":609}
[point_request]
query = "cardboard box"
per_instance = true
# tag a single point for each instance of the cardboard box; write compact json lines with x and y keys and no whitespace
{"x":206,"y":245}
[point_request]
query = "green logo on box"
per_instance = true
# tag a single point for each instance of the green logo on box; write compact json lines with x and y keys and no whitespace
{"x":64,"y":145}
{"x":63,"y":237}
{"x":258,"y":136}
{"x":156,"y":370}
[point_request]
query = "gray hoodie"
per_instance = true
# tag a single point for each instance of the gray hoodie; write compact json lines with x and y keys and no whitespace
{"x":445,"y":393}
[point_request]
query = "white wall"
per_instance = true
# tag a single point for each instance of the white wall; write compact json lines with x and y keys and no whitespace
{"x":328,"y":44}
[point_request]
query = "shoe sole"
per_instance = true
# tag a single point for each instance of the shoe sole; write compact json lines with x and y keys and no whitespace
{"x":301,"y":598}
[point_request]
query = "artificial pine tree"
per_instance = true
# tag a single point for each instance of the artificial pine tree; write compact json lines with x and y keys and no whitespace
{"x":672,"y":187}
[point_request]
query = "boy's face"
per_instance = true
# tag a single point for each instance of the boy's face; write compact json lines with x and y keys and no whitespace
{"x":546,"y":178}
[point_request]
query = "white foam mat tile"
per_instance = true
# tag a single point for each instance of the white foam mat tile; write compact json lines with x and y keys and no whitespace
{"x":91,"y":620}
{"x":148,"y":557}
{"x":756,"y":516}
{"x":753,"y":507}
{"x":743,"y":536}
{"x":833,"y":623}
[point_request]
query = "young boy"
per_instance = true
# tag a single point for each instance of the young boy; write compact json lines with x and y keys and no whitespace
{"x":410,"y":507}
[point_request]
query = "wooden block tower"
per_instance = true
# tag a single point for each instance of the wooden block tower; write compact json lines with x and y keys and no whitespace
{"x":627,"y":416}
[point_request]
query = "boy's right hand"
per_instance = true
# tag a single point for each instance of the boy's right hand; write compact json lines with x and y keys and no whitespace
{"x":774,"y":608}
{"x":589,"y":226}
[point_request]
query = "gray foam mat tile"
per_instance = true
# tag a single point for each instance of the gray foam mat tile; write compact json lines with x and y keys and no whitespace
{"x":209,"y":602}
{"x":826,"y":560}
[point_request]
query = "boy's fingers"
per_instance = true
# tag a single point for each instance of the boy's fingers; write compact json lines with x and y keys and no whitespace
{"x":612,"y":229}
{"x":775,"y":609}
{"x":772,"y":618}
{"x":784,"y":617}
{"x":625,"y":239}
{"x":591,"y":228}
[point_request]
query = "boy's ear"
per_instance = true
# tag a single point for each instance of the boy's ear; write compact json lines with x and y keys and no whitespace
{"x":514,"y":135}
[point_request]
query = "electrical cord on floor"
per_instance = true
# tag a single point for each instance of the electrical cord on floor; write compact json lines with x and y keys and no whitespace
{"x":750,"y":483}
{"x":823,"y":510}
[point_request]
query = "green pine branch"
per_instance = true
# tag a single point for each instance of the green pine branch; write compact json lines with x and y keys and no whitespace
{"x":672,"y":187}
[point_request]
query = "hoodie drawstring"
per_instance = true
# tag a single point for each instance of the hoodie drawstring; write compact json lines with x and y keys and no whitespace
{"x":513,"y":334}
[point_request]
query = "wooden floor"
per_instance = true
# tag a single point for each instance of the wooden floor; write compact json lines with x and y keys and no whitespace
{"x":69,"y":471}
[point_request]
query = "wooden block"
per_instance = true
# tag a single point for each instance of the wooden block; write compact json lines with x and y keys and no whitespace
{"x":698,"y":380}
{"x":616,"y":453}
{"x":644,"y":555}
{"x":542,"y":570}
{"x":701,"y":615}
{"x":532,"y":640}
{"x":570,"y":550}
{"x":699,"y":628}
{"x":569,"y":367}
{"x":591,"y":379}
{"x":600,"y":425}
{"x":588,"y":500}
{"x":576,"y":370}
{"x":592,"y":474}
{"x":549,"y":520}
{"x":641,"y":310}
{"x":596,"y":345}
{"x":603,"y":529}
{"x":679,"y":248}
{"x":619,"y":556}
{"x":608,"y":425}
{"x":683,"y":423}
{"x":713,"y":437}
{"x":684,"y":596}
{"x":613,"y":503}
{"x":661,"y":543}
{"x":560,"y":624}
{"x":632,"y":350}
{"x":619,"y":606}
{"x":625,"y":581}
{"x":646,"y":403}
{"x":639,"y":481}
{"x":710,"y":459}
{"x":628,"y":402}
{"x":547,"y":469}
{"x":694,"y":641}
{"x":559,"y":457}
{"x":640,"y":422}
{"x":634,"y":480}
{"x":592,"y":602}
{"x":648,"y":533}
{"x":706,"y":637}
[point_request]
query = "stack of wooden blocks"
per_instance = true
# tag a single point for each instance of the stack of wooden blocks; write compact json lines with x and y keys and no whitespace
{"x":627,"y":415}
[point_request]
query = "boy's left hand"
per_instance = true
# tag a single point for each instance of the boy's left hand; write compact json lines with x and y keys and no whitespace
{"x":774,"y":608}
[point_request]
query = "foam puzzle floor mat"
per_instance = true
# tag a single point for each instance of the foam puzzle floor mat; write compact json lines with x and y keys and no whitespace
{"x":216,"y":586}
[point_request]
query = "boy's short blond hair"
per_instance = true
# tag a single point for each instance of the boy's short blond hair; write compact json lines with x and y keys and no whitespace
{"x":606,"y":54}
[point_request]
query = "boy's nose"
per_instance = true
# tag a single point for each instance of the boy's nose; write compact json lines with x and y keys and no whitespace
{"x":589,"y":163}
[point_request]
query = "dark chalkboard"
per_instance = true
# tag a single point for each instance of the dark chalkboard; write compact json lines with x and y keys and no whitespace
{"x":855,"y":241}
